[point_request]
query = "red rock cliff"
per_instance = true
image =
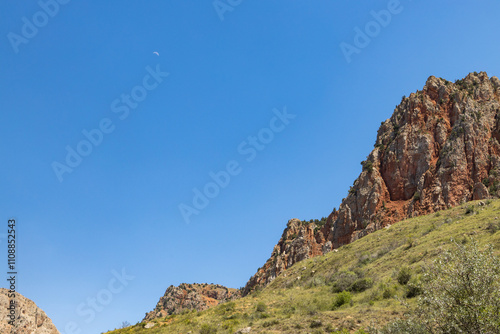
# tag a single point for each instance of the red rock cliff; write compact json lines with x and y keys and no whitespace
{"x":439,"y":148}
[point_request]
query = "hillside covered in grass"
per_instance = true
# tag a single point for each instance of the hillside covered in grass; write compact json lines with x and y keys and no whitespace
{"x":357,"y":286}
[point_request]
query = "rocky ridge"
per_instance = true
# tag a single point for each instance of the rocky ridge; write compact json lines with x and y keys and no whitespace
{"x":30,"y":319}
{"x":187,"y":297}
{"x":440,"y":148}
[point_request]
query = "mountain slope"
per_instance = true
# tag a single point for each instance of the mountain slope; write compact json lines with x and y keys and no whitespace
{"x":305,"y":297}
{"x":440,"y":148}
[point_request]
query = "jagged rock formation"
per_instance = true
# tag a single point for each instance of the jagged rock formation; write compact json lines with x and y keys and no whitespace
{"x":439,"y":148}
{"x":300,"y":240}
{"x":29,"y":318}
{"x":197,"y":297}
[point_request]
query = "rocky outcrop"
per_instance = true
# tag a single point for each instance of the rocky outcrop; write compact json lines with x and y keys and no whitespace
{"x":440,"y":148}
{"x":300,"y":240}
{"x":197,"y":297}
{"x":28,"y":317}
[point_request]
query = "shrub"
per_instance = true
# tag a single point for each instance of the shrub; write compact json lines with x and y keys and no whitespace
{"x":365,"y":258}
{"x":486,"y":182}
{"x":410,"y":242}
{"x":416,"y":196}
{"x":316,"y":324}
{"x":208,"y":329}
{"x":270,"y":323}
{"x":262,"y":315}
{"x":315,"y":281}
{"x":361,"y":284}
{"x":462,"y":291}
{"x":493,"y":227}
{"x":387,"y":290}
{"x":402,"y":326}
{"x":342,"y":298}
{"x":367,"y":165}
{"x":460,"y":294}
{"x":343,"y":281}
{"x":404,"y":275}
{"x":493,"y":188}
{"x":413,"y":288}
{"x":261,"y":307}
{"x":227,"y":307}
{"x":230,"y":325}
{"x":469,"y":209}
{"x":329,"y":328}
{"x":289,"y":310}
{"x":387,"y":293}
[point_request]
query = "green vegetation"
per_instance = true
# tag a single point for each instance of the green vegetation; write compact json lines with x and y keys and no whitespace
{"x":261,"y":307}
{"x":460,"y":294}
{"x":416,"y":196}
{"x":369,"y":283}
{"x":208,"y":329}
{"x":367,"y":165}
{"x":404,"y":275}
{"x":318,"y":222}
{"x":468,"y":86}
{"x":342,"y":298}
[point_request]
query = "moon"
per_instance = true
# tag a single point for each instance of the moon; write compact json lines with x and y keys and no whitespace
{"x":156,"y":53}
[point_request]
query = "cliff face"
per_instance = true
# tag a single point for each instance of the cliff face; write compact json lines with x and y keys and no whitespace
{"x":300,"y":241}
{"x":440,"y":148}
{"x":197,"y":297}
{"x":30,"y":319}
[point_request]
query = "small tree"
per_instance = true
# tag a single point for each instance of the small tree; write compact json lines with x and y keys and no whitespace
{"x":460,"y":294}
{"x":125,"y":324}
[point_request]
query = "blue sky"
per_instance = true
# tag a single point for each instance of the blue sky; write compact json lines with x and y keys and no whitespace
{"x":118,"y":209}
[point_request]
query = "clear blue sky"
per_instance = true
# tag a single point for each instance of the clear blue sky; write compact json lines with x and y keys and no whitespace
{"x":119,"y":207}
